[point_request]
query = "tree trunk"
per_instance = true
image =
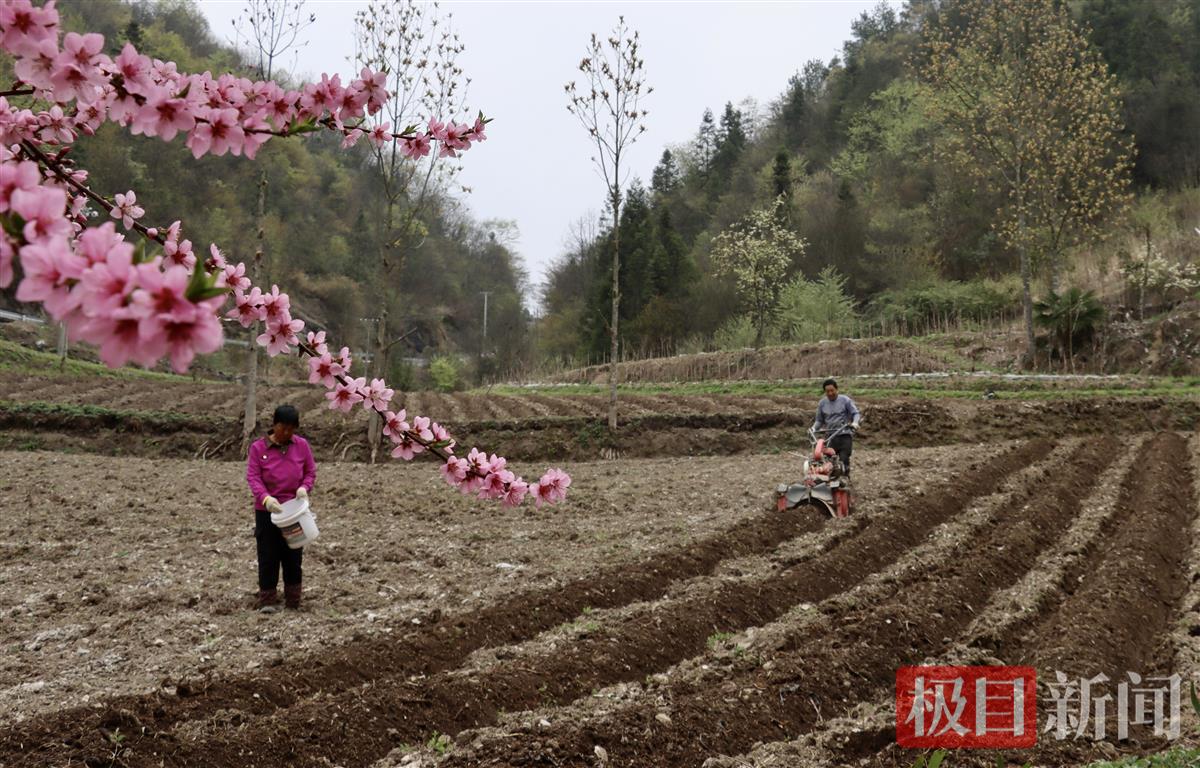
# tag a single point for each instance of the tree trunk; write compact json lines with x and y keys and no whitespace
{"x":1027,"y":306}
{"x":1145,"y":275}
{"x":616,"y":307}
{"x":378,"y":369}
{"x":250,"y":413}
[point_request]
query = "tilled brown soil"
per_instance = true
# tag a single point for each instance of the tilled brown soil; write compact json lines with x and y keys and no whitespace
{"x":150,"y":582}
{"x":631,"y":638}
{"x":179,"y":420}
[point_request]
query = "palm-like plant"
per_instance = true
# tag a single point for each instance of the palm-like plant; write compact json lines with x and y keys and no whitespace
{"x":1070,"y":316}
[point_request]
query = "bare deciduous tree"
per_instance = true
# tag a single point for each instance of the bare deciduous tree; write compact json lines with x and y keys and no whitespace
{"x":607,"y":103}
{"x":415,"y":45}
{"x":271,"y":28}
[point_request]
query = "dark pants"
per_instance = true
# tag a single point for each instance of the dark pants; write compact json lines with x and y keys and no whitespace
{"x":844,"y":445}
{"x":273,"y":552}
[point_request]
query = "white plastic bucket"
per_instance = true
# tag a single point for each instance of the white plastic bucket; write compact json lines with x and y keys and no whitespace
{"x":296,"y":522}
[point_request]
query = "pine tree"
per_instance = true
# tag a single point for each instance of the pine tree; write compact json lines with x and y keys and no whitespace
{"x":781,"y":175}
{"x":731,"y":141}
{"x":706,"y":145}
{"x":665,"y":178}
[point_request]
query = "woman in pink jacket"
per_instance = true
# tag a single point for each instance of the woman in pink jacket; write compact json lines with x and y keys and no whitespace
{"x":279,"y":468}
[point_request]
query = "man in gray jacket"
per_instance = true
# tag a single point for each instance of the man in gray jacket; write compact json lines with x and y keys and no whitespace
{"x":835,"y":411}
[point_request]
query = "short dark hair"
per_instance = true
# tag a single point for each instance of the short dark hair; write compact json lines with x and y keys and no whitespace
{"x":288,"y":415}
{"x":828,"y":382}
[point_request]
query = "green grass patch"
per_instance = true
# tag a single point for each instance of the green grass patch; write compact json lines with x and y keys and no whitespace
{"x":878,"y":387}
{"x":14,"y":357}
{"x":1175,"y":758}
{"x":69,"y":411}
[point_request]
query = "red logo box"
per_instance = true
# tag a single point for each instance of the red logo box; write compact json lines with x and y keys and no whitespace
{"x":966,"y":707}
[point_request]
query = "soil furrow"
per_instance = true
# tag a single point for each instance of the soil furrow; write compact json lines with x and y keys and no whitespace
{"x":373,"y":720}
{"x":76,"y":734}
{"x":833,"y":671}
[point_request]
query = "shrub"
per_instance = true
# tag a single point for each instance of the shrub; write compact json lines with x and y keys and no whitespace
{"x":737,"y":333}
{"x":445,"y":373}
{"x":932,"y":305}
{"x":812,"y":310}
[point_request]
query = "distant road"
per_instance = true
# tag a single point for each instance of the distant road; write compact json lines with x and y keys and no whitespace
{"x":7,"y":316}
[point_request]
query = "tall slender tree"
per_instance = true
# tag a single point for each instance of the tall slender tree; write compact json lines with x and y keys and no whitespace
{"x":1030,"y":108}
{"x":415,"y":45}
{"x":271,"y":28}
{"x":608,"y":103}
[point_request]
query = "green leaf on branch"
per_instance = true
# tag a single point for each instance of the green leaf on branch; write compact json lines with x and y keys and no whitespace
{"x":13,"y":225}
{"x":142,"y":252}
{"x":306,"y":126}
{"x":203,"y":286}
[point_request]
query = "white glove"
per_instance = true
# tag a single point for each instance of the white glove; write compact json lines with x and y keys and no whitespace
{"x":854,"y":426}
{"x":302,"y":493}
{"x":272,"y":504}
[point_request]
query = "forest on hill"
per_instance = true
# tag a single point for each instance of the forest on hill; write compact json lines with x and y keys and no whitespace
{"x":895,"y":240}
{"x":323,"y":206}
{"x":891,"y":237}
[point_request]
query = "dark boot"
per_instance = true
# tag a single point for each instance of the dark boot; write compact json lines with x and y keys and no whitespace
{"x":268,"y":601}
{"x":291,"y":595}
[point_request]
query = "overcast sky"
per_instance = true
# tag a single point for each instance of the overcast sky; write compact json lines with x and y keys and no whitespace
{"x":535,"y":167}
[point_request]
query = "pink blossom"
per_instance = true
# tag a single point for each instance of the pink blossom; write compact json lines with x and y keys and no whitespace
{"x":76,"y":74}
{"x":442,"y":435}
{"x":119,"y":338}
{"x":454,"y":471}
{"x":515,"y":494}
{"x":235,"y":276}
{"x":96,"y":244}
{"x":134,"y":69}
{"x":6,"y":261}
{"x":280,"y":335}
{"x":552,"y":488}
{"x":477,"y":133}
{"x":37,"y":66}
{"x":324,"y":370}
{"x":256,"y":132}
{"x":26,"y":26}
{"x":316,"y":340}
{"x":351,"y":103}
{"x":43,"y":209}
{"x":127,"y":209}
{"x":199,"y":334}
{"x":344,"y":359}
{"x":164,"y":115}
{"x":177,"y":252}
{"x":406,"y":447}
{"x":17,"y":175}
{"x":495,"y":484}
{"x":352,"y":138}
{"x":345,"y":396}
{"x":381,"y":134}
{"x":218,"y":133}
{"x":415,"y":146}
{"x":437,"y":130}
{"x":56,"y":126}
{"x":395,"y":424}
{"x":50,"y":272}
{"x":374,"y":84}
{"x":108,"y":283}
{"x":378,"y":395}
{"x":248,"y":307}
{"x":162,"y":296}
{"x":479,"y":462}
{"x":275,"y":304}
{"x":420,"y":428}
